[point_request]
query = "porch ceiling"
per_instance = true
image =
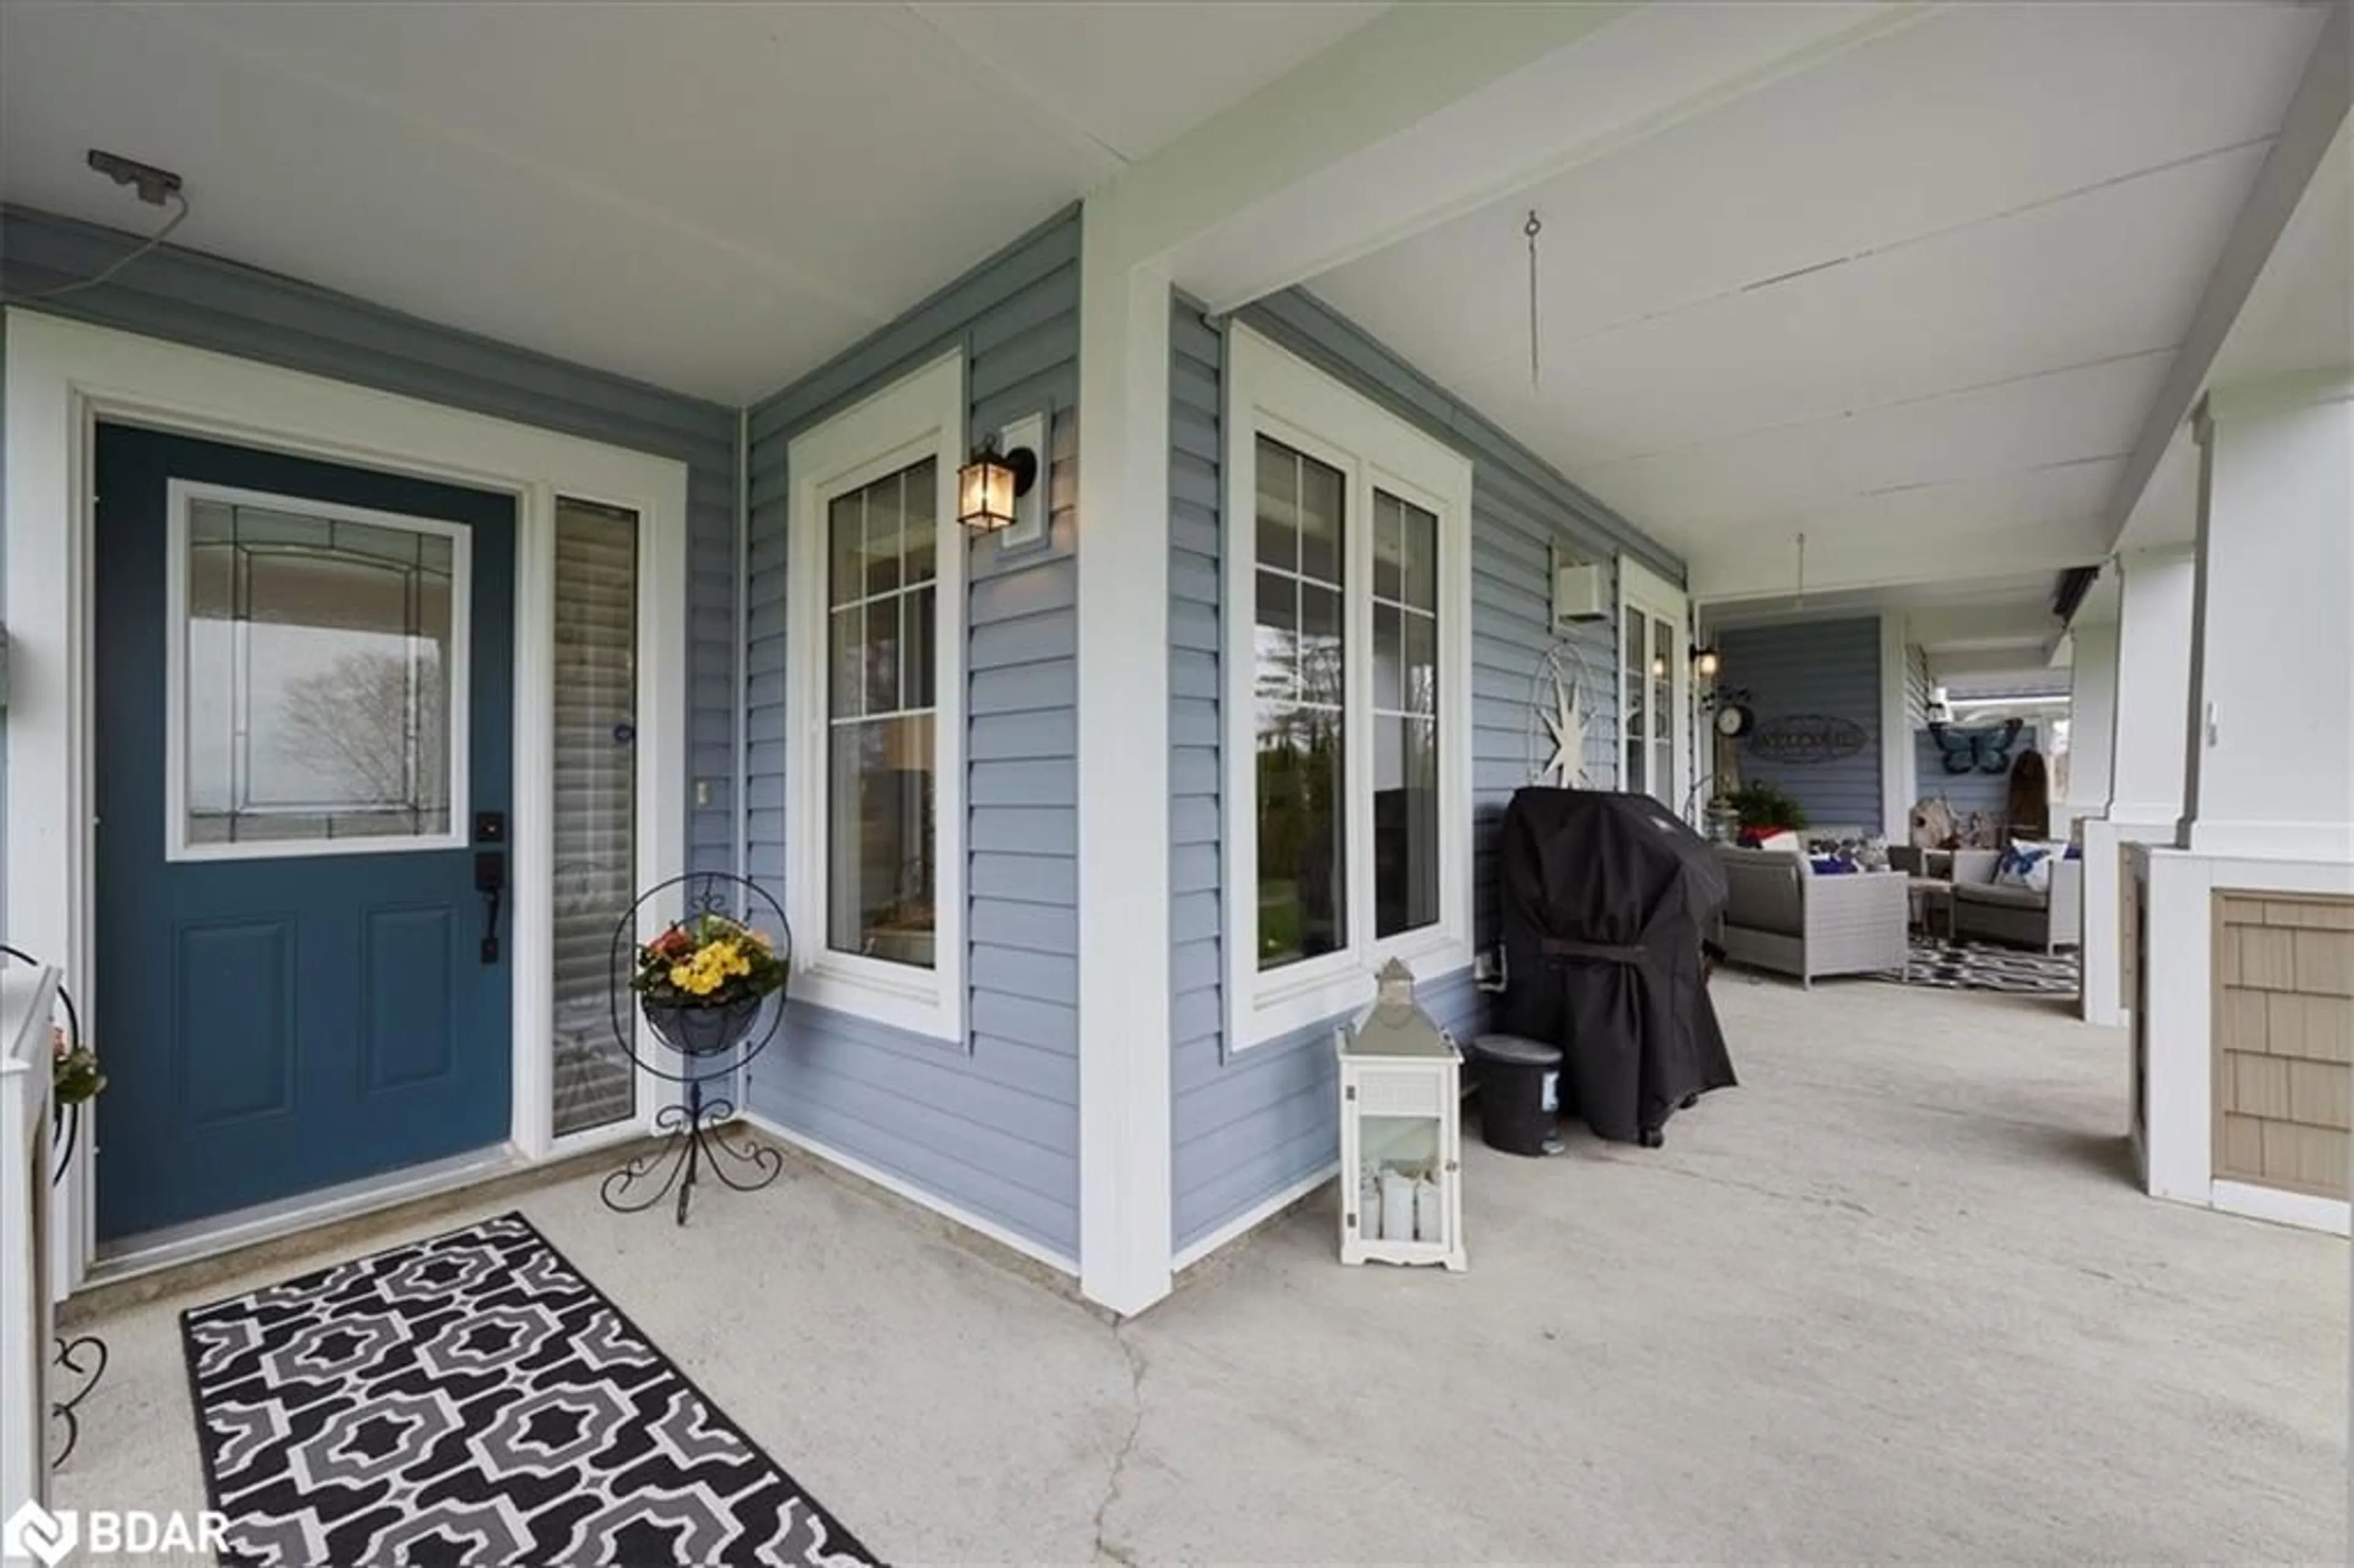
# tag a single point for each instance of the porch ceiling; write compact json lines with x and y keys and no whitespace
{"x":711,"y":197}
{"x":1920,"y":296}
{"x":2001,"y":624}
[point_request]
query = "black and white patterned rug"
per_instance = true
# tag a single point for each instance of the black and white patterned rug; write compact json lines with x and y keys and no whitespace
{"x":471,"y":1398}
{"x":1988,"y":966}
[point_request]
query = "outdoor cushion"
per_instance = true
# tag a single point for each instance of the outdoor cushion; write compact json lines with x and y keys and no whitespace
{"x":2002,"y":893}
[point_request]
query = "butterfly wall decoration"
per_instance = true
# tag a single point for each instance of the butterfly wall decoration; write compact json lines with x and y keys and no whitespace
{"x":1976,"y":750}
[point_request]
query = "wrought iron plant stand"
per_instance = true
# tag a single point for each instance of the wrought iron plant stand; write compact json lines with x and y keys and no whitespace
{"x":705,"y":1045}
{"x":83,"y":1356}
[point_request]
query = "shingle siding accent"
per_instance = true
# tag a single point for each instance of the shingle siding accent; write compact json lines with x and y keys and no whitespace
{"x":1248,"y":1124}
{"x":204,"y":302}
{"x":2283,"y":1039}
{"x":991,"y":1126}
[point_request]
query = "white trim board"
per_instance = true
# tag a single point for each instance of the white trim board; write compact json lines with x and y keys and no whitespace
{"x":901,"y":1188}
{"x":61,"y":379}
{"x":919,"y":416}
{"x":2306,"y":1211}
{"x":1644,"y":590}
{"x":1275,"y":393}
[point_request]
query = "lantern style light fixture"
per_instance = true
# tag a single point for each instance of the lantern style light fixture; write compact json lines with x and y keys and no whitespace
{"x":1706,"y":662}
{"x":1401,"y":1143}
{"x":988,"y":486}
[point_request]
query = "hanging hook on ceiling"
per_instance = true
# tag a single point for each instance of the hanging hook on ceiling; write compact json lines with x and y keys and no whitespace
{"x":1535,"y":227}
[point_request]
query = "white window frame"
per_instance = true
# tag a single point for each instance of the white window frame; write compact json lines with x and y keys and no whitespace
{"x":1273,"y":392}
{"x":921,"y":415}
{"x":1642,"y":591}
{"x":181,"y":496}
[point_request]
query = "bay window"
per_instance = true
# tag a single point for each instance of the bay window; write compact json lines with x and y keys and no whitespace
{"x":1347,"y":733}
{"x":874,"y":818}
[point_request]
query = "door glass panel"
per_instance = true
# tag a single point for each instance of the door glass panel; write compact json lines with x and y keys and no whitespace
{"x":881,"y":745}
{"x":320,"y":656}
{"x":594,"y":816}
{"x":1299,"y":639}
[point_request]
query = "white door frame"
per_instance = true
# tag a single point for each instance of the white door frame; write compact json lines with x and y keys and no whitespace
{"x":1643,"y":591}
{"x":61,"y":379}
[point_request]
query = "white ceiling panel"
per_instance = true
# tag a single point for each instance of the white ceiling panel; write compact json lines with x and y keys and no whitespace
{"x":1134,"y":75}
{"x":1942,"y":272}
{"x":712,"y":197}
{"x":1968,"y":115}
{"x":1783,"y":473}
{"x":2114,"y":272}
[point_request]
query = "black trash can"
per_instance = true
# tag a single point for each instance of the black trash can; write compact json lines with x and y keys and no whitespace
{"x":1516,"y":1110}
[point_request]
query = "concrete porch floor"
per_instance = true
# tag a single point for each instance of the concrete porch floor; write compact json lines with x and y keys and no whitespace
{"x":1894,"y":1297}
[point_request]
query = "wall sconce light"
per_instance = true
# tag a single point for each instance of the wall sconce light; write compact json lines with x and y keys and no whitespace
{"x":988,"y":486}
{"x":1706,"y":663}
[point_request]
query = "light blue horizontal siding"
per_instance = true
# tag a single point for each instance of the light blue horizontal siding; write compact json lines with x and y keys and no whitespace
{"x":1249,"y":1123}
{"x":1827,"y":667}
{"x":186,"y":297}
{"x":991,"y":1125}
{"x":1267,"y":1118}
{"x":1974,"y":790}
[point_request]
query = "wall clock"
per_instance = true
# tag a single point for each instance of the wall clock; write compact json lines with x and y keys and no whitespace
{"x":1734,"y":720}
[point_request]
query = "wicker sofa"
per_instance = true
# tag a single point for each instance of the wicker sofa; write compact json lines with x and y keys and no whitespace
{"x":1985,"y":907}
{"x":1782,"y":916}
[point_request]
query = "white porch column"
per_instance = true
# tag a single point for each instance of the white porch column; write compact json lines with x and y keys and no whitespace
{"x":2092,"y":720}
{"x":2271,"y":771}
{"x":2268,"y":798}
{"x":2149,"y":742}
{"x":1124,"y":1216}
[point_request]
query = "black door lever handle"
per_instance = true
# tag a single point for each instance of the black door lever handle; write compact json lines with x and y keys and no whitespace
{"x":490,"y":881}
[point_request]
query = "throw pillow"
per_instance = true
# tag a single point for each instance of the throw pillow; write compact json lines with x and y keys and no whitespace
{"x":1831,"y":866}
{"x":2026,"y":865}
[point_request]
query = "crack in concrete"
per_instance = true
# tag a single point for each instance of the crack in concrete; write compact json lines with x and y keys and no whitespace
{"x":1818,"y":1200}
{"x":1105,"y":1550}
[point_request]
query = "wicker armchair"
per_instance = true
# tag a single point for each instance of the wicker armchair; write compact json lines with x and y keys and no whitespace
{"x":1784,"y":917}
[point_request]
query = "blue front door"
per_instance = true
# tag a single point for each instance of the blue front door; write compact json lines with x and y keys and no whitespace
{"x":304,"y":700}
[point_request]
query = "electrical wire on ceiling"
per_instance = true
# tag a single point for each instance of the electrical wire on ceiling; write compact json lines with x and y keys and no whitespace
{"x":93,"y":281}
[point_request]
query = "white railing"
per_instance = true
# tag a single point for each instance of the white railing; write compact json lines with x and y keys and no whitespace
{"x":26,"y":998}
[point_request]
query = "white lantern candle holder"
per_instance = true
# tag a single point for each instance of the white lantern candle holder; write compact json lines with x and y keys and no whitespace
{"x":1401,"y":1140}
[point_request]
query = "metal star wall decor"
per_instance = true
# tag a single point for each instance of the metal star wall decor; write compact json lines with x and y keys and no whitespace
{"x":1564,"y":721}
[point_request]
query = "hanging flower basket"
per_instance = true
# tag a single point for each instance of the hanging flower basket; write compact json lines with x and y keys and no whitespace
{"x":702,"y":982}
{"x":702,"y":1030}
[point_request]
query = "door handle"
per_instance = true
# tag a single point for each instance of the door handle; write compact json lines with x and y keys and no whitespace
{"x":490,"y":881}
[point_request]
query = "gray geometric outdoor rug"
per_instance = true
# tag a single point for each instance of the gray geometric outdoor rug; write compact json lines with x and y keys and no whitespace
{"x":472,"y":1399}
{"x":1988,"y":966}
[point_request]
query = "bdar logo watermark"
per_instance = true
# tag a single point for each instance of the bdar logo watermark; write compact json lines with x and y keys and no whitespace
{"x":51,"y":1535}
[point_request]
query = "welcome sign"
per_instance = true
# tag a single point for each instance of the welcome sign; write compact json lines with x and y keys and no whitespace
{"x":1808,"y":738}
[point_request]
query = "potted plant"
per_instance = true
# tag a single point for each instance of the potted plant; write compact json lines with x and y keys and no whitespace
{"x":1764,"y":808}
{"x":702,"y":981}
{"x":74,"y":1074}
